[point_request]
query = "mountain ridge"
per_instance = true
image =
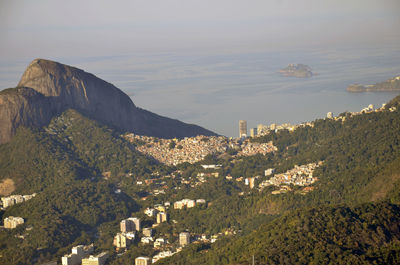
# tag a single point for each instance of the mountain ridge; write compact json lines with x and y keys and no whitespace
{"x":48,"y":88}
{"x":351,"y":216}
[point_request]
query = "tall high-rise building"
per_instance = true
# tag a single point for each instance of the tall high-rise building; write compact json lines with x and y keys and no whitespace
{"x":127,"y":226}
{"x":142,"y":261}
{"x":184,"y":239}
{"x":162,"y":217}
{"x":130,"y":225}
{"x":121,"y":240}
{"x":251,"y":182}
{"x":253,"y":132}
{"x":136,"y":221}
{"x":242,"y":128}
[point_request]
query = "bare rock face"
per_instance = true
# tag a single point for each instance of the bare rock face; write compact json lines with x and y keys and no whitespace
{"x":48,"y":88}
{"x":72,"y":88}
{"x":22,"y":107}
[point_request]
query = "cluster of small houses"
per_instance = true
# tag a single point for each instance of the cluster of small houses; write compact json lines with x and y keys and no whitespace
{"x":369,"y":109}
{"x":299,"y":176}
{"x":194,"y":149}
{"x":248,"y":148}
{"x":177,"y":151}
{"x":266,"y":129}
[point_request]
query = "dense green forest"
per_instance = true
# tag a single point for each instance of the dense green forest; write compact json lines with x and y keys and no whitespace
{"x":367,"y":234}
{"x":71,"y":147}
{"x":76,"y":165}
{"x":65,"y":164}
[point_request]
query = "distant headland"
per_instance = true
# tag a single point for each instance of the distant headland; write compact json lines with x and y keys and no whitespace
{"x":392,"y":84}
{"x":297,"y":70}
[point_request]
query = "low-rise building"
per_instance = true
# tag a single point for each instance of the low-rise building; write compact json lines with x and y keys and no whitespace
{"x":211,"y":166}
{"x":77,"y":254}
{"x":146,"y":240}
{"x":150,"y":212}
{"x":190,"y":203}
{"x":184,"y":239}
{"x":160,"y":207}
{"x":185,"y":202}
{"x":147,"y":231}
{"x":269,"y":171}
{"x":12,"y":222}
{"x":178,"y":205}
{"x":143,"y":261}
{"x":159,"y":242}
{"x":200,"y":201}
{"x":96,"y":260}
{"x":161,"y":255}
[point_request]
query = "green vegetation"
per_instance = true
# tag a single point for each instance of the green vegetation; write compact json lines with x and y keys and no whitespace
{"x":63,"y":217}
{"x":65,"y":165}
{"x":36,"y":161}
{"x":86,"y":177}
{"x":367,"y":234}
{"x":355,"y":153}
{"x":361,"y":167}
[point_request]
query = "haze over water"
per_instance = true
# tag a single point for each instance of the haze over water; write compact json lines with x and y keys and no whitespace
{"x":217,"y":90}
{"x":213,"y":63}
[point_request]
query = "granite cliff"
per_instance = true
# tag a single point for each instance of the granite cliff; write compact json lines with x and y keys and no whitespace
{"x":48,"y":88}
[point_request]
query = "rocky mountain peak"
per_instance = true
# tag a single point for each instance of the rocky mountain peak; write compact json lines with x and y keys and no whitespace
{"x":60,"y":87}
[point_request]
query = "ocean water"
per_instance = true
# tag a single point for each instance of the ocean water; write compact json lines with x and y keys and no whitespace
{"x":216,"y":90}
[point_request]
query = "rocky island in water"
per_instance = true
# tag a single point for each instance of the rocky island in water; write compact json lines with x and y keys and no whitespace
{"x":392,"y":84}
{"x":297,"y":70}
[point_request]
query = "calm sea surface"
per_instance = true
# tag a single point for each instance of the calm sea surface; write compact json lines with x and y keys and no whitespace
{"x":217,"y":90}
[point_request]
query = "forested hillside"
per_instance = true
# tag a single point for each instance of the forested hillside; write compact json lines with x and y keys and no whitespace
{"x":73,"y":166}
{"x":351,"y":217}
{"x":367,"y":234}
{"x":88,"y":178}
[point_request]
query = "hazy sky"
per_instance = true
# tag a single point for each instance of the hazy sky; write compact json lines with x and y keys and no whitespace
{"x":51,"y":28}
{"x":212,"y":62}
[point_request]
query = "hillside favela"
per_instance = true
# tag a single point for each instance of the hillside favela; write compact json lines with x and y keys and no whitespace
{"x":187,"y":132}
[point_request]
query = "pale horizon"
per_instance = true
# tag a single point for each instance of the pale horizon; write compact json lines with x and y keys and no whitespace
{"x":212,"y":63}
